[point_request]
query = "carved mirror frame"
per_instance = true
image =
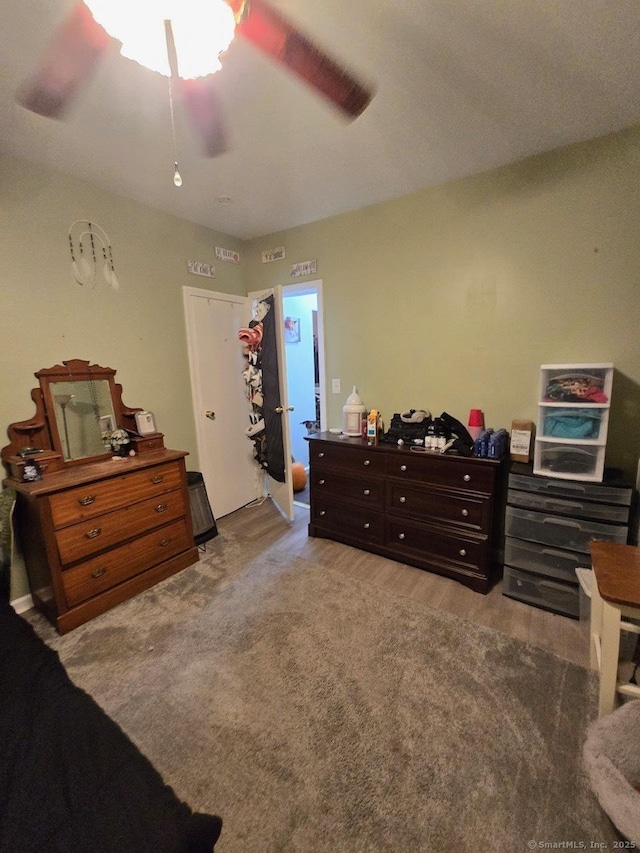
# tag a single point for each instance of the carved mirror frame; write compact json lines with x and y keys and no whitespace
{"x":42,"y":431}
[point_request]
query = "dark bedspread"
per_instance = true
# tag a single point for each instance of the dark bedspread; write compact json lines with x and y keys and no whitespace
{"x":71,"y":781}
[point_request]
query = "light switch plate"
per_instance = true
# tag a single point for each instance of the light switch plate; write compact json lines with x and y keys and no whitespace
{"x":335,"y":386}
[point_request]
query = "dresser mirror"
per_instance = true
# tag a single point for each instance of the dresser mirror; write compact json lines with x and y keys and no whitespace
{"x":78,"y":405}
{"x":83,"y":416}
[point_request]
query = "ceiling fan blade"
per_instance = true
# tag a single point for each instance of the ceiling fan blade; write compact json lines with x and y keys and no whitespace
{"x":68,"y":62}
{"x":201,"y":103}
{"x":272,"y":33}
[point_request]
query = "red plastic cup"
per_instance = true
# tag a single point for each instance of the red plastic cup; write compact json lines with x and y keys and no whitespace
{"x":476,"y":418}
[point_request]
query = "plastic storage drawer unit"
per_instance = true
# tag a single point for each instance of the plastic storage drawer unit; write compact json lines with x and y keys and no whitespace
{"x":543,"y":560}
{"x":609,"y":494}
{"x":573,"y":419}
{"x":572,"y":533}
{"x":572,"y":507}
{"x":549,"y":525}
{"x":549,"y":594}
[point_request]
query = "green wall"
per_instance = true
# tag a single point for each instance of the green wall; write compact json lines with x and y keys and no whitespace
{"x":139,"y":331}
{"x":452,"y":297}
{"x":446,"y":299}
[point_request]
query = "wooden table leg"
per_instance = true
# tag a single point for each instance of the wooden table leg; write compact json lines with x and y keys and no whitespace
{"x":609,"y":653}
{"x":595,"y":625}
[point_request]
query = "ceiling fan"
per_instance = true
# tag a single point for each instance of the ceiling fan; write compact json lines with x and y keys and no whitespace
{"x":74,"y":51}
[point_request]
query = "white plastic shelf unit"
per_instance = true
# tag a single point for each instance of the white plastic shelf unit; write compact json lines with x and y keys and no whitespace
{"x":573,"y":420}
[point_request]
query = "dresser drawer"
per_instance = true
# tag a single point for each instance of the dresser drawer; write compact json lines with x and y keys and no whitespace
{"x":347,"y":520}
{"x":352,"y":459}
{"x":437,"y":543}
{"x":102,"y":496}
{"x":435,"y":504}
{"x":441,"y":470}
{"x":366,"y":491}
{"x":103,"y":572}
{"x":573,"y":507}
{"x":570,"y":533}
{"x":93,"y":535}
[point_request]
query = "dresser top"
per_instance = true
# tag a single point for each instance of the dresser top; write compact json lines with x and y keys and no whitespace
{"x":76,"y":475}
{"x":385,"y":447}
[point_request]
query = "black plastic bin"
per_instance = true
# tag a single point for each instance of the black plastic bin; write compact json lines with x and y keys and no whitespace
{"x":204,"y":524}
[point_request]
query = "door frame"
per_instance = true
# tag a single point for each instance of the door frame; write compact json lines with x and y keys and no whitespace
{"x":300,"y":289}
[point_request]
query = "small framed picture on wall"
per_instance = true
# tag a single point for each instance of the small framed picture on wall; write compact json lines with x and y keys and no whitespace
{"x":291,"y":330}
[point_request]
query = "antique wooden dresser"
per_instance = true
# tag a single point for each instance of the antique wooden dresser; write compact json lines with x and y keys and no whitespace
{"x":94,"y":530}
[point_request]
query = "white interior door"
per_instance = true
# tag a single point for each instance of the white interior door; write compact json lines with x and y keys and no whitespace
{"x":281,"y":493}
{"x":221,"y":408}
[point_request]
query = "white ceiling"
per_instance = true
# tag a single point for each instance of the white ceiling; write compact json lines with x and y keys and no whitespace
{"x":461,"y":86}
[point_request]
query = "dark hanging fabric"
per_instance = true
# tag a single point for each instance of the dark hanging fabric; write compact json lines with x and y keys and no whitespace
{"x":271,"y":393}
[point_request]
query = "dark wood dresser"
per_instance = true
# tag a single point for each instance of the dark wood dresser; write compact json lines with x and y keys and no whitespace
{"x":440,"y":512}
{"x":94,"y":535}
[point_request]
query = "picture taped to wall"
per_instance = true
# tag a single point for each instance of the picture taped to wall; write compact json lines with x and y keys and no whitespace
{"x":291,"y":330}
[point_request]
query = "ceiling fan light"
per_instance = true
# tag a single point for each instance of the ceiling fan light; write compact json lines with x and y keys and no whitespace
{"x":203,"y":30}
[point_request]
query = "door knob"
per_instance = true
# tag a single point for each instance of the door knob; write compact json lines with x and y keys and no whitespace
{"x":279,"y":410}
{"x":211,"y":415}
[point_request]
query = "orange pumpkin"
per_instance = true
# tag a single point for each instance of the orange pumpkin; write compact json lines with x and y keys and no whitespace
{"x":298,"y":476}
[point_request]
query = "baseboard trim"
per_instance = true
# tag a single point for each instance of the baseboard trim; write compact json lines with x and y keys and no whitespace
{"x":21,"y":605}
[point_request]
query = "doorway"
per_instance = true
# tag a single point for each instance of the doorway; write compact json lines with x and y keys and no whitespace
{"x":304,"y":357}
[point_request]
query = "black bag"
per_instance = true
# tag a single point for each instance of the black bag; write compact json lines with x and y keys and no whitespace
{"x":463,"y":442}
{"x":400,"y":430}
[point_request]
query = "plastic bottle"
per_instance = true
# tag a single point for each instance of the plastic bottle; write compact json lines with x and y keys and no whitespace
{"x":372,"y":427}
{"x":352,"y":413}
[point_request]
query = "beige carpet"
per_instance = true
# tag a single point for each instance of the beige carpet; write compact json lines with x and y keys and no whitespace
{"x":319,"y":714}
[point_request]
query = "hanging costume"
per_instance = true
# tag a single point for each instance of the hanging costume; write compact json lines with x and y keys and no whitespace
{"x":263,"y":389}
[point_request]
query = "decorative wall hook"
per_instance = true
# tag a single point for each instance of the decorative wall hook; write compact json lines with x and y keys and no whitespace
{"x":91,"y":253}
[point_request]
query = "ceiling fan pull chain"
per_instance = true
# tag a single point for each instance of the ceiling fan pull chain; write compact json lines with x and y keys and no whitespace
{"x":173,"y":66}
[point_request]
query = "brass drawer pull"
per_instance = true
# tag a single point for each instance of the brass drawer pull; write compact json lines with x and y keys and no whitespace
{"x":465,"y":512}
{"x":367,"y":462}
{"x":164,"y":542}
{"x":400,"y":535}
{"x":87,"y":501}
{"x":466,"y":478}
{"x":158,"y":478}
{"x":321,"y":482}
{"x":98,"y":573}
{"x":366,"y":525}
{"x":463,"y":552}
{"x":95,"y":531}
{"x":160,"y":507}
{"x":367,"y":492}
{"x":403,"y":500}
{"x":403,"y":467}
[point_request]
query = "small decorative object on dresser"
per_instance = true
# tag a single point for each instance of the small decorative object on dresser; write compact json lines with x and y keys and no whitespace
{"x":94,"y":530}
{"x":145,"y":423}
{"x":437,"y":511}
